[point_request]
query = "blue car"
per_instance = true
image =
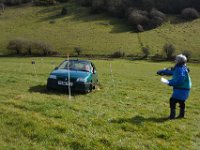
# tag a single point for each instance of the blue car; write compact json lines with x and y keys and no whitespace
{"x":79,"y":75}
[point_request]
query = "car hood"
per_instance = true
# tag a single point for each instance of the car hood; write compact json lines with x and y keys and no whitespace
{"x":73,"y":73}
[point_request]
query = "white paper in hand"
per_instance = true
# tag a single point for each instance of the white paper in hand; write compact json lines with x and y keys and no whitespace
{"x":165,"y":81}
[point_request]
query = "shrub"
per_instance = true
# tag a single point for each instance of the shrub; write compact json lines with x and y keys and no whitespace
{"x":126,"y":8}
{"x":22,"y":46}
{"x":17,"y":45}
{"x":156,"y":13}
{"x":143,"y":19}
{"x":137,"y":17}
{"x":85,"y":2}
{"x":172,"y":6}
{"x":44,"y":2}
{"x":128,"y":11}
{"x":42,"y":48}
{"x":28,"y":47}
{"x":117,"y":7}
{"x":62,"y":1}
{"x":78,"y":50}
{"x":157,"y":56}
{"x":187,"y":53}
{"x":64,"y":11}
{"x":147,"y":4}
{"x":97,"y":6}
{"x":189,"y":13}
{"x":157,"y":18}
{"x":118,"y":54}
{"x":55,"y":53}
{"x":169,"y":50}
{"x":15,"y":2}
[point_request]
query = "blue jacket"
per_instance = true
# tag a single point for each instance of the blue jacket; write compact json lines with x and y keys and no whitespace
{"x":181,"y":82}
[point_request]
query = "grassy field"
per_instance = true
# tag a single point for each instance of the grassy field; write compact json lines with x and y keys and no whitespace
{"x":96,"y":34}
{"x":127,"y":113}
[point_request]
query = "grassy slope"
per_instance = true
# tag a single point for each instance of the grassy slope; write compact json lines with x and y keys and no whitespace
{"x":75,"y":29}
{"x":128,"y":113}
{"x":79,"y":28}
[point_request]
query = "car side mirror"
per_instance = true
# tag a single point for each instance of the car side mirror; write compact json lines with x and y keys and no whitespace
{"x":56,"y":68}
{"x":94,"y":72}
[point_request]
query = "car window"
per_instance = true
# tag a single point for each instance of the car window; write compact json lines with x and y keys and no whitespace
{"x":67,"y":64}
{"x":76,"y":65}
{"x":83,"y":66}
{"x":63,"y":65}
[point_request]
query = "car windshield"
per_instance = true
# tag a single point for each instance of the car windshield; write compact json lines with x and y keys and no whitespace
{"x":76,"y":65}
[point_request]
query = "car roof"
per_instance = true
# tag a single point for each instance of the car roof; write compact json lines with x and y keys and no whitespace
{"x":86,"y":61}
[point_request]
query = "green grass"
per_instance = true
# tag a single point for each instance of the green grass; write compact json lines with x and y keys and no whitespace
{"x":127,"y":112}
{"x":90,"y":32}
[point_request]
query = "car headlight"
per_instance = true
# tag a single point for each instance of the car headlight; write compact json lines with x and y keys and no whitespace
{"x":81,"y":80}
{"x":52,"y":77}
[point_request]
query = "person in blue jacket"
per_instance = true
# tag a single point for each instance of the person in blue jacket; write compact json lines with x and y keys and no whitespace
{"x":181,"y":83}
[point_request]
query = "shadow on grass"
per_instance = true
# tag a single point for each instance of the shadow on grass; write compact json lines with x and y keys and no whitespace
{"x":43,"y":90}
{"x":77,"y":13}
{"x":139,"y":120}
{"x":51,"y":13}
{"x":53,"y":17}
{"x":118,"y":25}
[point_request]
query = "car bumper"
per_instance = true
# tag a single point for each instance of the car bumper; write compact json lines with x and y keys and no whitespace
{"x":77,"y":86}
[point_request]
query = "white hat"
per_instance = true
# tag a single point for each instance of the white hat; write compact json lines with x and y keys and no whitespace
{"x":181,"y":59}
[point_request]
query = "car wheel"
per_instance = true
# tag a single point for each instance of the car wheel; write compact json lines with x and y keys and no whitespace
{"x":91,"y":87}
{"x":48,"y":88}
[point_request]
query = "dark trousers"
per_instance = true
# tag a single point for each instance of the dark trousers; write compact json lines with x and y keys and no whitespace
{"x":173,"y":102}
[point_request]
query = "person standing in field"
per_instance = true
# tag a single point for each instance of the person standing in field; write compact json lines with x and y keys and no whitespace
{"x":181,"y":83}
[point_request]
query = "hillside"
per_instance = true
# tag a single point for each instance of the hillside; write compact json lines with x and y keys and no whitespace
{"x":96,"y":34}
